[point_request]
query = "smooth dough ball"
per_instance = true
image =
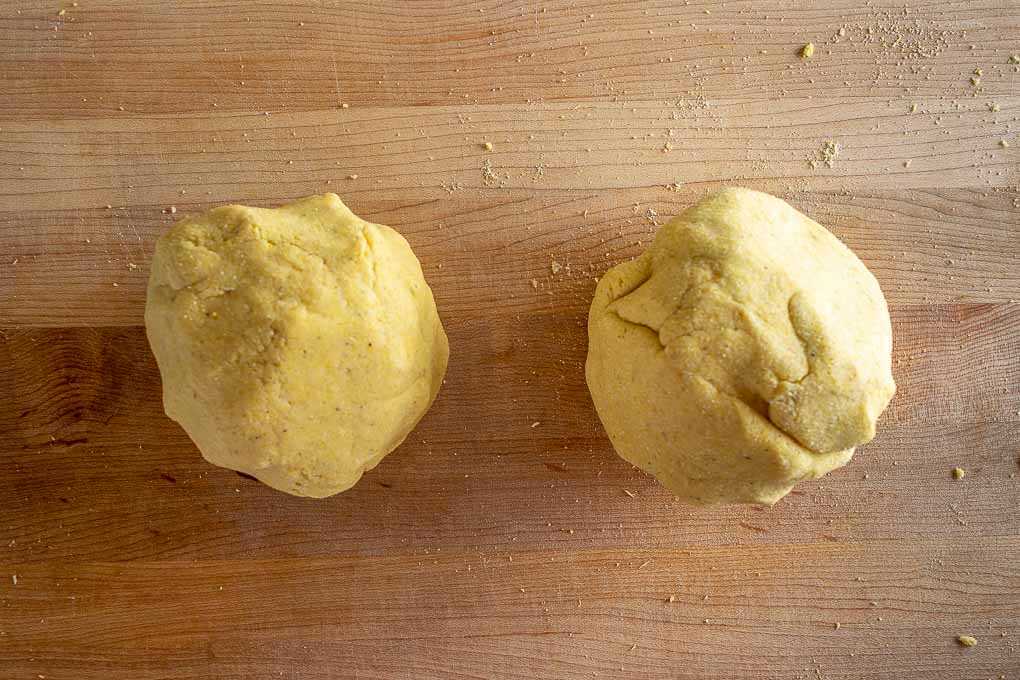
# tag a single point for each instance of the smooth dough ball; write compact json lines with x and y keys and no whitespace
{"x":745,"y":350}
{"x":299,"y":345}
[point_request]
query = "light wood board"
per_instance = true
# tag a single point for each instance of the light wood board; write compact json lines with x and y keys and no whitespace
{"x":484,"y":547}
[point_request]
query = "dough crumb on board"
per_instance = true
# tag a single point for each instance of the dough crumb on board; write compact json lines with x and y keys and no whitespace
{"x":827,"y":154}
{"x":830,"y":150}
{"x":967,"y":640}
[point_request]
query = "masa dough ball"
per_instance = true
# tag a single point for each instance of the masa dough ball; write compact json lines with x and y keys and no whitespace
{"x":299,"y":345}
{"x":745,"y":350}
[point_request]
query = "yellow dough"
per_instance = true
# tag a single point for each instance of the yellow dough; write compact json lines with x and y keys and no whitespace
{"x":299,"y":345}
{"x":747,"y":349}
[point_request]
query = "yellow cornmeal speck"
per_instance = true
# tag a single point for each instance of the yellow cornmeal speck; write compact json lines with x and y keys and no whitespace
{"x":958,"y":473}
{"x":487,"y":146}
{"x":807,"y":51}
{"x":1014,"y":59}
{"x":975,"y":81}
{"x":967,"y":640}
{"x":1003,"y":143}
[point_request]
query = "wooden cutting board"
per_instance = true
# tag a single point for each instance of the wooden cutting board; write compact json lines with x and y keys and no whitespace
{"x":505,"y":539}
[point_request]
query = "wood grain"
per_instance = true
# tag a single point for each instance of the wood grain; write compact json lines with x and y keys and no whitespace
{"x":607,"y":613}
{"x":485,"y":548}
{"x":932,"y":246}
{"x":86,"y":425}
{"x":153,"y":56}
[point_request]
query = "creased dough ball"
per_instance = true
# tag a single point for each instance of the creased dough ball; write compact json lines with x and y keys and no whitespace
{"x":299,"y":345}
{"x":745,"y":350}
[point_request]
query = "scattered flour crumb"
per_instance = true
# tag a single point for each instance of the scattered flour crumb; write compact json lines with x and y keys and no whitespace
{"x":829,"y":152}
{"x":489,"y":175}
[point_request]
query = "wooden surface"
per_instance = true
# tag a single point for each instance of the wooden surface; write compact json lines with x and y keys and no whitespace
{"x":484,"y":547}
